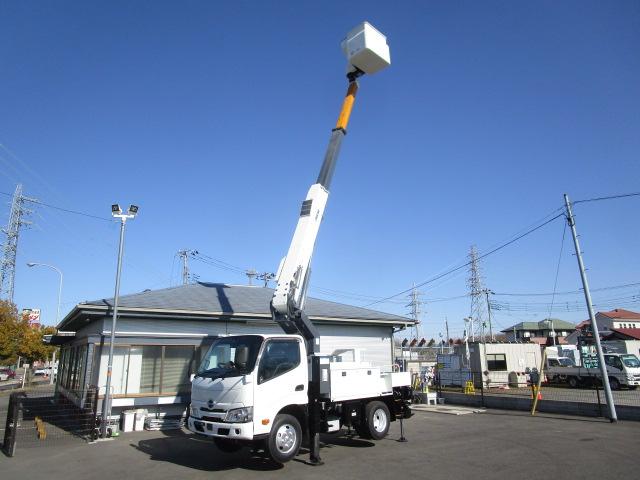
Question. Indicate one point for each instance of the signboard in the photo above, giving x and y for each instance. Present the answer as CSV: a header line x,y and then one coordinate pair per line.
x,y
32,316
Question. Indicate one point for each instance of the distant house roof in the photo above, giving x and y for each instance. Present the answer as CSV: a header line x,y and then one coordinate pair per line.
x,y
621,313
221,300
541,325
624,334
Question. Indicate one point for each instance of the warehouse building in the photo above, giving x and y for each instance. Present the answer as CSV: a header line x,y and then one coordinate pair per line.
x,y
161,336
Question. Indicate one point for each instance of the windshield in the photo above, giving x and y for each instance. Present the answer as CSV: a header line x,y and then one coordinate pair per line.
x,y
630,361
566,362
230,356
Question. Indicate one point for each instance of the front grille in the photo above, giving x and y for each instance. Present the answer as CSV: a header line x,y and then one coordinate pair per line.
x,y
213,410
212,419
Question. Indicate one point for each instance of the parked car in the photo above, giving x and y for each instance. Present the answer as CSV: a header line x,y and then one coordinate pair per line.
x,y
41,371
11,374
3,377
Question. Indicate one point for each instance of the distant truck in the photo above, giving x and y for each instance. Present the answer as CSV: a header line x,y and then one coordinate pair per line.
x,y
623,370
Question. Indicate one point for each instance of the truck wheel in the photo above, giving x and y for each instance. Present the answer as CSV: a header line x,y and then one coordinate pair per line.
x,y
376,421
573,382
227,446
285,438
614,383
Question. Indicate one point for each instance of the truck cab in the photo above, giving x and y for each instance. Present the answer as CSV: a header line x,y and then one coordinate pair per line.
x,y
234,372
623,370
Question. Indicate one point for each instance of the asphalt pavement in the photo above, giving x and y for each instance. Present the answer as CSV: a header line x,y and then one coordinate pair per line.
x,y
493,444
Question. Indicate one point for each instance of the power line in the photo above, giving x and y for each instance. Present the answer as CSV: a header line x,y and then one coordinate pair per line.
x,y
490,252
570,292
75,212
612,197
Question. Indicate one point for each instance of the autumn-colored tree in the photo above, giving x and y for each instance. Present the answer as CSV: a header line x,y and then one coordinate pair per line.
x,y
12,332
17,338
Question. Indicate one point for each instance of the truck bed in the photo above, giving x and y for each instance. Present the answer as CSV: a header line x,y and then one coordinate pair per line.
x,y
352,381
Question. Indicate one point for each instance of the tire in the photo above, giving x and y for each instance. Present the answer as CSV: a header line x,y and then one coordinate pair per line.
x,y
376,421
226,445
285,438
573,382
614,383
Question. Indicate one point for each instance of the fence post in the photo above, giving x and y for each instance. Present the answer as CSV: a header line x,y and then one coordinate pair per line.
x,y
597,383
11,428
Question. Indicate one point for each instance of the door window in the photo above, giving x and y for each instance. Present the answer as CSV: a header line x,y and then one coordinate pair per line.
x,y
279,357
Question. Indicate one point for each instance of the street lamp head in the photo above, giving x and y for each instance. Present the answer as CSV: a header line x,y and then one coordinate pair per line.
x,y
115,209
133,209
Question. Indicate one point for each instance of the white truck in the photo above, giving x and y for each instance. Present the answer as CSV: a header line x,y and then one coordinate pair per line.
x,y
623,370
270,390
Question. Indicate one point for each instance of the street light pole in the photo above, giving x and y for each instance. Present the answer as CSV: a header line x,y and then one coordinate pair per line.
x,y
53,359
116,211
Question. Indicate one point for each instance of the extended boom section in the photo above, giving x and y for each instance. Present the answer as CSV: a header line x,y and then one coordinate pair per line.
x,y
293,277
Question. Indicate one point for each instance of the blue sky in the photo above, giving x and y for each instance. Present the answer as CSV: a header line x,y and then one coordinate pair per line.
x,y
214,118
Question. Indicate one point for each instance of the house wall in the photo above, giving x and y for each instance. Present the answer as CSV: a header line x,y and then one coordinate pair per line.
x,y
623,346
189,340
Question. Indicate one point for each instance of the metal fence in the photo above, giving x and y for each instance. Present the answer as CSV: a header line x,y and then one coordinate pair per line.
x,y
586,389
44,416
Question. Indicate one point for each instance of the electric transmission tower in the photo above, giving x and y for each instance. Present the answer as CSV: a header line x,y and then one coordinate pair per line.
x,y
10,246
251,274
477,294
184,255
415,308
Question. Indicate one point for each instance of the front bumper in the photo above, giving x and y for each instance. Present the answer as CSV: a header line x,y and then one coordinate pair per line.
x,y
235,431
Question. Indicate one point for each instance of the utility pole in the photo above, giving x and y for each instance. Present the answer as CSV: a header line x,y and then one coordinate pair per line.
x,y
487,291
446,326
613,417
251,274
10,246
266,277
184,255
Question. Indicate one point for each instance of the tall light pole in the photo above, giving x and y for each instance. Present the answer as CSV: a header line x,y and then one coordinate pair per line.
x,y
53,359
116,211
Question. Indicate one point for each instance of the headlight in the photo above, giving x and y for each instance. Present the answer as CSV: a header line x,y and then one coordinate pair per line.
x,y
194,412
239,415
630,378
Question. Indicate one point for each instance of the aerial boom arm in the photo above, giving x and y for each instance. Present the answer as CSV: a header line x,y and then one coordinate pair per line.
x,y
288,299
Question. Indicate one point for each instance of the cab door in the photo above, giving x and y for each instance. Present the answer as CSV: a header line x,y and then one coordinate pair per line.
x,y
281,380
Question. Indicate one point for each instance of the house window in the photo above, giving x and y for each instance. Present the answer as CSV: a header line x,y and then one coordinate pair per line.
x,y
176,367
496,362
151,364
149,369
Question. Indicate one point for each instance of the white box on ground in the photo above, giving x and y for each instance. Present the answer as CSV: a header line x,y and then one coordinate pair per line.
x,y
366,48
128,420
141,415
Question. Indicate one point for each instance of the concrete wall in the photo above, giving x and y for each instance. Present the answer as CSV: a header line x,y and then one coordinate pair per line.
x,y
624,412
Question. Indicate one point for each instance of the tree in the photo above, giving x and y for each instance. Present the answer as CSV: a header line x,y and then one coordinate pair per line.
x,y
431,343
11,332
18,338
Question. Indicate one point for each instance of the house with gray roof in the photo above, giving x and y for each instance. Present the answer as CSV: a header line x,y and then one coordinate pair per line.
x,y
541,332
161,336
